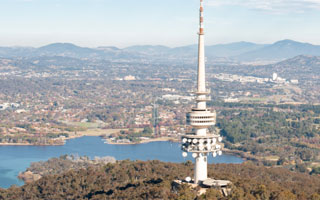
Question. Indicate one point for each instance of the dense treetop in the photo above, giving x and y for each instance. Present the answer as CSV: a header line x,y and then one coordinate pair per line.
x,y
153,179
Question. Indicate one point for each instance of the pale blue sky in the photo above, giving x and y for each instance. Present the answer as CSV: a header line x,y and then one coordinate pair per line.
x,y
166,22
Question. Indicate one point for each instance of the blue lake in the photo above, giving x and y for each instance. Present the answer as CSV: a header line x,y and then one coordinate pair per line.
x,y
14,159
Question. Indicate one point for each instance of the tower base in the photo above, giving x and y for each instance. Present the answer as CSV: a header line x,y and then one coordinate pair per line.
x,y
223,185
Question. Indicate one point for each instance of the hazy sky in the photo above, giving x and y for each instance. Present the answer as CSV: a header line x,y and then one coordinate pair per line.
x,y
166,22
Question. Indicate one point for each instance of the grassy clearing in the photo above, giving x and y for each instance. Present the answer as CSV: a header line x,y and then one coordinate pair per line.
x,y
272,158
315,164
99,131
85,124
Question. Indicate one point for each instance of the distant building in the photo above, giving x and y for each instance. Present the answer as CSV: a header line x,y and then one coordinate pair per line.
x,y
5,106
278,79
274,76
231,100
168,89
129,78
21,111
171,97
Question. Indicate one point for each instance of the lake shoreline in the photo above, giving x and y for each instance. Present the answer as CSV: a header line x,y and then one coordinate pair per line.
x,y
226,151
161,139
145,141
62,141
15,159
16,144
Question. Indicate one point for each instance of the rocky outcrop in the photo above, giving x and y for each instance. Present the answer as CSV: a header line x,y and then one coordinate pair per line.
x,y
29,176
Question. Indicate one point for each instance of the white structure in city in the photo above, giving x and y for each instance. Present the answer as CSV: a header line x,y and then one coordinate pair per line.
x,y
274,76
200,142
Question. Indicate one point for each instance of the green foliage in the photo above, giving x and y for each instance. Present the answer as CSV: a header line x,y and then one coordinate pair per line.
x,y
315,170
147,130
53,135
66,163
186,193
284,195
211,193
135,136
262,193
262,131
315,196
152,180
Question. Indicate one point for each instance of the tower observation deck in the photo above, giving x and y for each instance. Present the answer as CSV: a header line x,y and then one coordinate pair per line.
x,y
200,142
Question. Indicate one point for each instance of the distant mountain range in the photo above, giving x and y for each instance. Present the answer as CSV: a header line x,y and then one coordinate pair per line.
x,y
233,52
280,50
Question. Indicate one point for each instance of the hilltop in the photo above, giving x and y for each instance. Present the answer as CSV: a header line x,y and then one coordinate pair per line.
x,y
152,180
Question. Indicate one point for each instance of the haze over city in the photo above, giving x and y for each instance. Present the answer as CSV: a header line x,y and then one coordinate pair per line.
x,y
159,99
123,23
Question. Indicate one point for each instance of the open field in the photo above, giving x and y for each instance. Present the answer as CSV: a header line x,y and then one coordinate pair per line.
x,y
272,158
98,132
84,124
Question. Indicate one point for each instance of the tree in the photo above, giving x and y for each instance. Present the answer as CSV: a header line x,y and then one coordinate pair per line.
x,y
262,193
211,194
147,130
315,170
284,195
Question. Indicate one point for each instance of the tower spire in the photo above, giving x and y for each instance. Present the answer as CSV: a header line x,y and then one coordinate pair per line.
x,y
201,18
200,142
201,55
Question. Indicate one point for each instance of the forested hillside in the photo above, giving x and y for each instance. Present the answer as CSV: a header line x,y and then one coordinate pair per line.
x,y
282,135
152,180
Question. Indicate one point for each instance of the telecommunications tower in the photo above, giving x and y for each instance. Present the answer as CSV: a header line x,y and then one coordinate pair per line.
x,y
200,142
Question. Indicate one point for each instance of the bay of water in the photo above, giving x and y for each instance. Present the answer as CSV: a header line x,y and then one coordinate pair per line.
x,y
15,159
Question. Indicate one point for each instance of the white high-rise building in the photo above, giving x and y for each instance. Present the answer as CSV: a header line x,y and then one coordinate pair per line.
x,y
200,142
274,76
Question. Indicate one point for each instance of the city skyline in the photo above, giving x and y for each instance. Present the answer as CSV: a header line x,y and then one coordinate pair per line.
x,y
124,23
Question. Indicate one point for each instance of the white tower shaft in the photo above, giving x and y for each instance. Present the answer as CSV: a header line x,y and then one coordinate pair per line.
x,y
201,171
198,142
201,161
